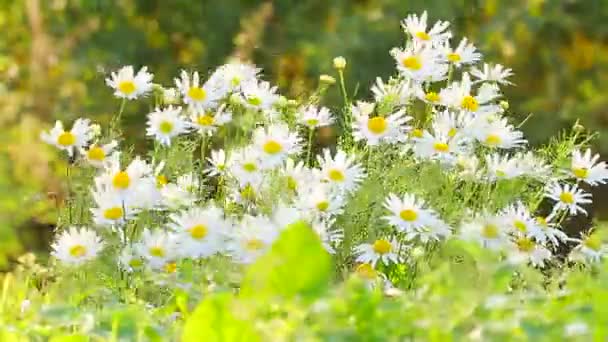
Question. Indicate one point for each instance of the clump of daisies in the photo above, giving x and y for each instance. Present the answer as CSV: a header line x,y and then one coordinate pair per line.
x,y
434,156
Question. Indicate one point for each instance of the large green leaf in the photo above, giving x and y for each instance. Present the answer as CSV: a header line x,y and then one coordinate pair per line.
x,y
297,265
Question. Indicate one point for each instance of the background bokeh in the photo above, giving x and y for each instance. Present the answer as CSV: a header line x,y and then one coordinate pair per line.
x,y
55,54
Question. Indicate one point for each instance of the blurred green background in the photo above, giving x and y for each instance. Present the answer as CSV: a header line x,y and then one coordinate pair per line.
x,y
55,54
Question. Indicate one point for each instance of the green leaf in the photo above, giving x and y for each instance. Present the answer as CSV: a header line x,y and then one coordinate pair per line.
x,y
70,338
297,265
215,319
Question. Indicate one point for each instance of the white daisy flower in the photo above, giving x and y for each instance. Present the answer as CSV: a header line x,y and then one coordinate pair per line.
x,y
465,53
165,124
546,232
502,167
157,248
72,140
313,117
217,163
408,213
129,260
76,245
128,85
196,94
297,174
379,129
439,146
586,168
207,122
275,143
341,171
252,238
496,73
498,134
259,95
96,154
568,197
200,232
458,96
453,124
590,248
526,250
417,28
383,250
487,230
245,165
111,208
175,196
467,167
420,63
435,230
318,201
532,166
126,182
519,221
395,92
233,76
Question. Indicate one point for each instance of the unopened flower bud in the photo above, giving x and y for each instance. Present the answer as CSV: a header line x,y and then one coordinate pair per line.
x,y
340,63
326,79
578,127
504,105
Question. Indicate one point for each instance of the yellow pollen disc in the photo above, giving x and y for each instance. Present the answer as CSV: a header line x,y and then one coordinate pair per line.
x,y
157,251
377,125
161,180
254,244
520,225
291,183
272,147
441,147
96,153
113,213
197,93
412,62
323,205
452,132
525,245
205,120
254,100
580,172
136,263
490,231
235,81
121,180
127,87
170,267
500,173
366,271
417,133
66,139
312,122
493,140
250,167
423,35
566,197
336,175
453,57
382,246
469,103
408,215
593,242
198,232
78,251
542,221
432,97
165,127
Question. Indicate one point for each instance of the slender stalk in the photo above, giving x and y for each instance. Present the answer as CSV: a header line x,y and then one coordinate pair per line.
x,y
202,170
311,132
115,123
343,87
68,174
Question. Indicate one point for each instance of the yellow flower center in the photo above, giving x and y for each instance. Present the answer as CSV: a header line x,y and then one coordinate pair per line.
x,y
469,103
377,125
272,147
566,197
254,100
593,242
312,122
366,271
136,263
323,205
166,127
161,180
170,267
542,221
493,140
250,167
580,172
520,225
127,87
198,232
412,62
157,251
453,57
382,246
254,244
452,132
417,133
121,180
78,251
205,120
500,173
432,96
235,81
490,231
408,215
441,147
525,245
248,193
96,153
291,183
114,213
66,139
423,35
197,93
336,175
